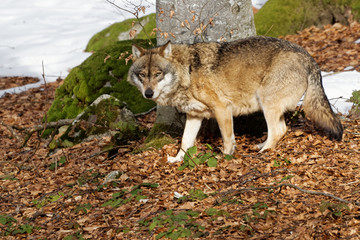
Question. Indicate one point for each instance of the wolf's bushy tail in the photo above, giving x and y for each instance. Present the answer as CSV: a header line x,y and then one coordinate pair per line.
x,y
317,107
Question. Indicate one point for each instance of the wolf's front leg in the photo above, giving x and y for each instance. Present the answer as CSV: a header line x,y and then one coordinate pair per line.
x,y
224,118
192,127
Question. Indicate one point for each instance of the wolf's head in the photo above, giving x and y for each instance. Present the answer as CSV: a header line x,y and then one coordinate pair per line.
x,y
152,72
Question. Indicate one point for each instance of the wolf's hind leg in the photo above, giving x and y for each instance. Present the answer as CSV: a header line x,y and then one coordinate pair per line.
x,y
276,128
192,127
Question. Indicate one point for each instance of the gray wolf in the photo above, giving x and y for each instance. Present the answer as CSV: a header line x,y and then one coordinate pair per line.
x,y
222,80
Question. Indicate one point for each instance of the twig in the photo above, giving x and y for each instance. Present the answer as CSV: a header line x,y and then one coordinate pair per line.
x,y
144,113
300,189
11,130
42,127
59,123
186,153
121,8
136,15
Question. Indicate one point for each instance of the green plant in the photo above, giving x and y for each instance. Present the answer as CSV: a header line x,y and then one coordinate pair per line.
x,y
124,196
10,229
89,177
57,164
355,98
194,195
47,200
76,236
83,208
286,178
193,159
335,209
280,161
213,212
260,211
175,225
8,177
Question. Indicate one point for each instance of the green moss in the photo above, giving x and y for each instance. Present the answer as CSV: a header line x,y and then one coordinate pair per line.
x,y
110,35
109,114
157,143
103,72
148,28
157,137
283,17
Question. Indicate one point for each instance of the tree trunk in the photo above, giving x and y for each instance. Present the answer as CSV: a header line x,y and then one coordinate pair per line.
x,y
185,21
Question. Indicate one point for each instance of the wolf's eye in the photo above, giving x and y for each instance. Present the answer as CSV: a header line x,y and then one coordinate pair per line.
x,y
142,75
157,74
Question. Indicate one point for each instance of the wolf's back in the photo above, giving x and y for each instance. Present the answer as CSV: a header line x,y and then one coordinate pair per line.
x,y
317,107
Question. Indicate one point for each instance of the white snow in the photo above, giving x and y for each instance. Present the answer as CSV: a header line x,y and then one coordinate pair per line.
x,y
339,86
258,3
56,32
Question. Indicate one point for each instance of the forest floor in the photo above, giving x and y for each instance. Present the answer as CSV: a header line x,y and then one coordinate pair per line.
x,y
307,188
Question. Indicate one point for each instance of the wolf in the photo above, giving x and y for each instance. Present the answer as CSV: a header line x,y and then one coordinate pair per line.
x,y
227,79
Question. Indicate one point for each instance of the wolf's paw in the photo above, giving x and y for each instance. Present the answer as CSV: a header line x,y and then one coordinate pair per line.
x,y
174,159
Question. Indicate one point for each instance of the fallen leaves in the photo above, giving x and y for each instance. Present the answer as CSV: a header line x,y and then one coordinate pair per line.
x,y
68,200
334,48
11,82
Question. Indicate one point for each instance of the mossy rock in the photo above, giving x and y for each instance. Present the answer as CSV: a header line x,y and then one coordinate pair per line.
x,y
106,115
104,72
283,17
120,31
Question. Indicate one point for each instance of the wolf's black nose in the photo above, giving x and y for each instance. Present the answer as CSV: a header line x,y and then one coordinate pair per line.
x,y
149,93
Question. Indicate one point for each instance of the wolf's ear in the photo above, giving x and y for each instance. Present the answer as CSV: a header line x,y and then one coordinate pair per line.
x,y
137,51
165,50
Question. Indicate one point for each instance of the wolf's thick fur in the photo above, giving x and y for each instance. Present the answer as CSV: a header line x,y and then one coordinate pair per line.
x,y
223,80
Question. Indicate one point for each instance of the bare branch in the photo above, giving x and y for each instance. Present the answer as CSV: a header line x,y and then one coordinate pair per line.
x,y
135,13
297,188
11,130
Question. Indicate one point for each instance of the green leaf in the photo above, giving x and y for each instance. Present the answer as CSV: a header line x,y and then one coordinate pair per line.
x,y
185,233
205,157
276,163
211,212
174,235
209,146
197,194
153,225
26,228
160,235
212,162
182,167
228,157
286,178
337,213
139,197
151,185
191,151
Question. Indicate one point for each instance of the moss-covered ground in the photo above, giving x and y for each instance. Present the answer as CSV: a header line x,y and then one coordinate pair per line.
x,y
110,35
284,17
104,72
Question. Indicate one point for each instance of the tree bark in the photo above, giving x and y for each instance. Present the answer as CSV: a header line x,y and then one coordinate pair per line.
x,y
189,21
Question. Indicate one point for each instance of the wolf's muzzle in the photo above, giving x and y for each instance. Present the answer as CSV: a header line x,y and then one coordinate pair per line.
x,y
149,93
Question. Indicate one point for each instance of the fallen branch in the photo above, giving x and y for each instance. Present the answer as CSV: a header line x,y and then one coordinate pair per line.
x,y
56,124
297,188
145,113
11,130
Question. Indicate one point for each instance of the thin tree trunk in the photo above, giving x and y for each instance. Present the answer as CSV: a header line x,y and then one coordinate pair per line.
x,y
189,21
